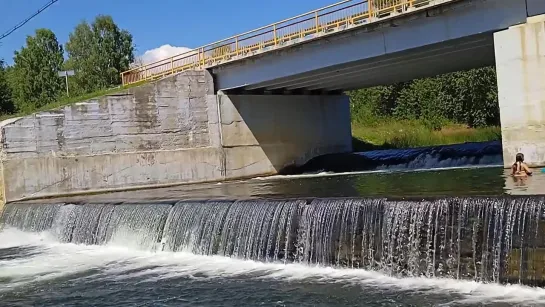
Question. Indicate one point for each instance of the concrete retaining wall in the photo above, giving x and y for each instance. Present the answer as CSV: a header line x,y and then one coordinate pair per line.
x,y
154,134
172,114
520,67
173,131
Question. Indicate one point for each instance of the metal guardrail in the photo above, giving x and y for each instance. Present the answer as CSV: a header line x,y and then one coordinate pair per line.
x,y
337,17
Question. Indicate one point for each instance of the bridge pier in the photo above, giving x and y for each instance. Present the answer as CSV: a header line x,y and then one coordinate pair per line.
x,y
271,133
520,66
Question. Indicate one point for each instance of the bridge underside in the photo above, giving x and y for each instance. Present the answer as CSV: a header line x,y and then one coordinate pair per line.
x,y
460,54
449,37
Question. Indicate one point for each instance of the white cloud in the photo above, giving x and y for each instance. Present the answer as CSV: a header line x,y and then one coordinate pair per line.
x,y
160,53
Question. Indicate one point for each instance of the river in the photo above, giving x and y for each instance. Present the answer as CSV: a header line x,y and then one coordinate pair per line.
x,y
158,251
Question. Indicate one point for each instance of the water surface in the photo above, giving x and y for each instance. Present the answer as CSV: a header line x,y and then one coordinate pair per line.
x,y
69,266
459,181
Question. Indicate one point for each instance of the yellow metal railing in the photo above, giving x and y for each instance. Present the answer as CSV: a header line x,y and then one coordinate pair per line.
x,y
336,17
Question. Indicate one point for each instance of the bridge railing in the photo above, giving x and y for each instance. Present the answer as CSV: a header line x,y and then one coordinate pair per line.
x,y
336,17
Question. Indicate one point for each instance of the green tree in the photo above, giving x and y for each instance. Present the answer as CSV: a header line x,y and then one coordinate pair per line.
x,y
465,97
421,100
99,52
478,93
34,79
370,104
6,102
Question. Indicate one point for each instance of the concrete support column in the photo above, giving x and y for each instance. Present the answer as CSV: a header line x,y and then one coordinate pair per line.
x,y
520,66
269,134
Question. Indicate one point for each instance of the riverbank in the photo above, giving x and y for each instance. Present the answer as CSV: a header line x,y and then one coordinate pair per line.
x,y
394,134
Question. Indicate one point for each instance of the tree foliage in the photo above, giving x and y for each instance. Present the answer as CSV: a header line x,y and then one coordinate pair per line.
x,y
6,103
467,97
99,52
34,79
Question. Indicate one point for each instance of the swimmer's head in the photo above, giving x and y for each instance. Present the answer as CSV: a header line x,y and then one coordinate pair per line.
x,y
519,157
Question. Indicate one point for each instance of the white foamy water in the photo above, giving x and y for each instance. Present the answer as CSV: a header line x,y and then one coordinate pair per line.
x,y
429,161
384,169
112,263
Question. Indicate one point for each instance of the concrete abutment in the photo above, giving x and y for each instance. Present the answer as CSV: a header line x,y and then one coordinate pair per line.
x,y
520,67
173,131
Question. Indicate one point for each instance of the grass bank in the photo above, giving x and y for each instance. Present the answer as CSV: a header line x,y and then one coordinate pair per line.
x,y
389,133
64,101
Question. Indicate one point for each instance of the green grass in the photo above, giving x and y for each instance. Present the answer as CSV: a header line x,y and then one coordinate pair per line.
x,y
70,100
391,133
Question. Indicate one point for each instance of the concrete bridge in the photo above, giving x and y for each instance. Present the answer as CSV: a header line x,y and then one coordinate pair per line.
x,y
423,41
357,44
262,101
353,44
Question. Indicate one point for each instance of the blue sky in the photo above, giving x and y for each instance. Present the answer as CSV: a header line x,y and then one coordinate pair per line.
x,y
180,23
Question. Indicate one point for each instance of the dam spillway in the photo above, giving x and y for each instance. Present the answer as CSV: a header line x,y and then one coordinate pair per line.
x,y
486,239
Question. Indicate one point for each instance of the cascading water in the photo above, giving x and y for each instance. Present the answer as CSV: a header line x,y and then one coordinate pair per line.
x,y
484,239
432,157
31,217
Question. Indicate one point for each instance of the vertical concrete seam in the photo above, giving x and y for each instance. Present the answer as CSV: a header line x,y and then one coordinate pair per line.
x,y
35,125
220,131
218,102
2,186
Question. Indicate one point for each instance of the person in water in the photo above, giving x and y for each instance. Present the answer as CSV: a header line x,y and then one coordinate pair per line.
x,y
520,168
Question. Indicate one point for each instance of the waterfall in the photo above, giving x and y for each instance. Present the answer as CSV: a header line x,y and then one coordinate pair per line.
x,y
455,155
494,239
30,217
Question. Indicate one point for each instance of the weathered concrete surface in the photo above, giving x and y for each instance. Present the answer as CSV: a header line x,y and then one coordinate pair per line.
x,y
520,66
51,176
2,198
167,115
159,133
173,131
272,132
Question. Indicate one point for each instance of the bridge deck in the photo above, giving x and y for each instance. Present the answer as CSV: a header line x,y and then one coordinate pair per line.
x,y
339,17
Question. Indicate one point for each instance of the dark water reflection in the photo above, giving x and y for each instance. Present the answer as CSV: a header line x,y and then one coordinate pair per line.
x,y
486,181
